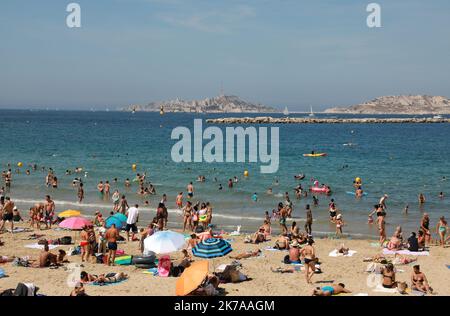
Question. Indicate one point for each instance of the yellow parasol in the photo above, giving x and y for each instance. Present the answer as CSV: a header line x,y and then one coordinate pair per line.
x,y
192,278
69,213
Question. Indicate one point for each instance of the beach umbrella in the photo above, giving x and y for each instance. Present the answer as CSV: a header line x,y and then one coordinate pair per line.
x,y
114,220
69,213
75,223
191,278
212,248
164,242
121,217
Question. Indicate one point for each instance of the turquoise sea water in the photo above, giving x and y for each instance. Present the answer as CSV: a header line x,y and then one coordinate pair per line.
x,y
399,159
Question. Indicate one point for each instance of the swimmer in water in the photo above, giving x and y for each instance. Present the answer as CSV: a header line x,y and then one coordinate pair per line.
x,y
255,197
269,191
441,195
406,209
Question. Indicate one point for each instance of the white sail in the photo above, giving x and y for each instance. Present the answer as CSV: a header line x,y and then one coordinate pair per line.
x,y
286,111
312,113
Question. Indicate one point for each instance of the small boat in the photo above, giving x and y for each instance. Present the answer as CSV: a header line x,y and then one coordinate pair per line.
x,y
438,117
312,113
286,111
315,155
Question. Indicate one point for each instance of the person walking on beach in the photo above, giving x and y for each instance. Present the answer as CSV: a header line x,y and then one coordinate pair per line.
x,y
187,216
309,257
381,228
80,193
309,220
441,229
132,219
111,236
7,211
49,208
283,214
116,200
425,227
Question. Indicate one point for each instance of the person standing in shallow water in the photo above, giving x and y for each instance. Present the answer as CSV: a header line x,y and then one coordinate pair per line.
x,y
80,193
309,220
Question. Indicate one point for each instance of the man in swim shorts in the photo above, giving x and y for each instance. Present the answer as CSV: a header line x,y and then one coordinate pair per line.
x,y
111,236
190,190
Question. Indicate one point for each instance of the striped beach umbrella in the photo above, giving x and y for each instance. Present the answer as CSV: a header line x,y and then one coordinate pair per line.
x,y
212,248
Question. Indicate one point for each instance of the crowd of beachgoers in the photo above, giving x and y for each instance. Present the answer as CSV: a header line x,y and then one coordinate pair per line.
x,y
98,239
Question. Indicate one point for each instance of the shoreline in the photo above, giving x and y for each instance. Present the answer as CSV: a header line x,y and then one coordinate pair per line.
x,y
300,120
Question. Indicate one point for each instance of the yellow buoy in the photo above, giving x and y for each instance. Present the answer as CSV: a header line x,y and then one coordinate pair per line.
x,y
245,173
19,164
134,166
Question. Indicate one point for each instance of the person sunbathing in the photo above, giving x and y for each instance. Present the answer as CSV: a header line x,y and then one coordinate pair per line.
x,y
419,281
102,278
5,259
61,257
282,270
47,259
330,290
78,290
246,255
282,242
402,260
388,276
378,258
343,250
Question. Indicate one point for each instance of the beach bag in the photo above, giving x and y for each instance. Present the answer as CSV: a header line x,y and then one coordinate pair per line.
x,y
43,242
99,258
66,240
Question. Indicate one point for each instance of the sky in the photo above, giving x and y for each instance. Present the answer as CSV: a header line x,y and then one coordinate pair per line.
x,y
295,53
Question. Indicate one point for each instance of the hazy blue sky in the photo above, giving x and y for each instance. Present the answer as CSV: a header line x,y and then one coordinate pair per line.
x,y
277,52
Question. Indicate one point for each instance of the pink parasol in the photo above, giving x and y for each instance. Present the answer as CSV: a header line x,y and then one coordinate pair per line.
x,y
75,223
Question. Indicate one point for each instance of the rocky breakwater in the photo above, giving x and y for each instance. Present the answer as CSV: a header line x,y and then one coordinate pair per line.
x,y
300,120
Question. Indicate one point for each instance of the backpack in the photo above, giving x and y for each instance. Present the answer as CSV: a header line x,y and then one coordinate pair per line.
x,y
66,240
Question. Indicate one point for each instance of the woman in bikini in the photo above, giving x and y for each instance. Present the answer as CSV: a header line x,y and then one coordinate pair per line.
x,y
308,254
441,229
419,281
425,227
388,276
187,215
382,229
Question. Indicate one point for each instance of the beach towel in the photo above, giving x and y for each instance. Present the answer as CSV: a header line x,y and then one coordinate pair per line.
x,y
152,271
361,294
405,252
19,230
95,283
380,288
123,260
269,248
37,246
335,253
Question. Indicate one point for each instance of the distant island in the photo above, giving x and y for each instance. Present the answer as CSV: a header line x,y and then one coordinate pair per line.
x,y
403,104
219,104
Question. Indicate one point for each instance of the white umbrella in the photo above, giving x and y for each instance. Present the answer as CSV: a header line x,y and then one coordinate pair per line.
x,y
164,242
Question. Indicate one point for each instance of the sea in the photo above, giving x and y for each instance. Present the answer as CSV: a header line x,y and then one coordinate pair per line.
x,y
401,160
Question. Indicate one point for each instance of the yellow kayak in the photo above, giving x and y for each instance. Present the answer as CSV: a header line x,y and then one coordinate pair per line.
x,y
315,155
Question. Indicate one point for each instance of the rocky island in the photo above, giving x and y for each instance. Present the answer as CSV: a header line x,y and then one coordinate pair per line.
x,y
403,104
219,104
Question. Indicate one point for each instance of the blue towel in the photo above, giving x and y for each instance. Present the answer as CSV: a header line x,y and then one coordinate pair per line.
x,y
106,284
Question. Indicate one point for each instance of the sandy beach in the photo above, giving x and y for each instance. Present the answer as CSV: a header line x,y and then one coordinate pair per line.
x,y
348,270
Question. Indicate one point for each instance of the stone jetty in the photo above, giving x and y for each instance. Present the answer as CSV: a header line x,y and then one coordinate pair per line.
x,y
301,120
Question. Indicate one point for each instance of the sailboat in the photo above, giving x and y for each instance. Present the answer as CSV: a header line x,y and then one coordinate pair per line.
x,y
312,113
286,111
